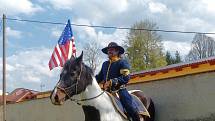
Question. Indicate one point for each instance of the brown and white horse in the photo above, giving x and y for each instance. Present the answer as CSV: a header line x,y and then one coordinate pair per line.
x,y
77,79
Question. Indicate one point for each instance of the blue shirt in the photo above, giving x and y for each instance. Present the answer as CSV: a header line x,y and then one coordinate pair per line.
x,y
114,74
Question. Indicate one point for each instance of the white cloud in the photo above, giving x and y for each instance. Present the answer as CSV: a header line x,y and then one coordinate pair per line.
x,y
95,10
10,68
61,4
89,33
113,5
18,7
156,7
118,36
35,58
110,5
172,46
171,15
29,68
13,33
56,33
209,5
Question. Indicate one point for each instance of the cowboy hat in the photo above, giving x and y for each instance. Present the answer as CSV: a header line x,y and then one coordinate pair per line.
x,y
113,45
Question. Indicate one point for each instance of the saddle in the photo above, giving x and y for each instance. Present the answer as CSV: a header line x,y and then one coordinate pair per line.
x,y
118,106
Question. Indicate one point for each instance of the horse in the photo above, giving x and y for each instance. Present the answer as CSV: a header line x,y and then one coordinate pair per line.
x,y
77,80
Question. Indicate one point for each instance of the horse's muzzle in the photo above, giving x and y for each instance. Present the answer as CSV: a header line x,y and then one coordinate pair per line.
x,y
58,97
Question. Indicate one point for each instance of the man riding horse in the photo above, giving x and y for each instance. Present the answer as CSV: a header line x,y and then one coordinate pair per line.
x,y
115,75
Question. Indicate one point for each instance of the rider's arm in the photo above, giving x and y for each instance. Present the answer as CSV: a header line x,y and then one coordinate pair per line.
x,y
124,74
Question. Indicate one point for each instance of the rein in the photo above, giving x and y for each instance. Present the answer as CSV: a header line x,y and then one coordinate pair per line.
x,y
76,91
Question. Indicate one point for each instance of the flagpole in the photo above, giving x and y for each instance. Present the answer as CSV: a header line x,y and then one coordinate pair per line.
x,y
4,69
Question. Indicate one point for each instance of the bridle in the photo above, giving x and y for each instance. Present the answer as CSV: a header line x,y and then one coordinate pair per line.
x,y
65,90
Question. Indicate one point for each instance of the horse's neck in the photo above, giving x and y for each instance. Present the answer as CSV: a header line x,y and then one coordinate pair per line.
x,y
94,90
102,103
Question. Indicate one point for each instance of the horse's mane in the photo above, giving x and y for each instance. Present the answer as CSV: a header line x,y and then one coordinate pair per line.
x,y
89,71
86,74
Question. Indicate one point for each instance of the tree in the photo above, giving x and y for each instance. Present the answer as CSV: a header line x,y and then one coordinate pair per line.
x,y
91,56
173,60
177,58
169,59
202,46
144,48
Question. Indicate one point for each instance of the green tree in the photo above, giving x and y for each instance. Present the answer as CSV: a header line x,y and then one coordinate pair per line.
x,y
169,59
144,48
177,57
173,60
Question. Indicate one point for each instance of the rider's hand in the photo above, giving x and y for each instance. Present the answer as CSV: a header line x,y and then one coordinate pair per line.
x,y
101,85
107,84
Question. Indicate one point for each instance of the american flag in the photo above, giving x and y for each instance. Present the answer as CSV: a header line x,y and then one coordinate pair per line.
x,y
64,48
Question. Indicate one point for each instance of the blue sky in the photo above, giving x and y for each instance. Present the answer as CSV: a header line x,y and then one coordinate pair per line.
x,y
29,45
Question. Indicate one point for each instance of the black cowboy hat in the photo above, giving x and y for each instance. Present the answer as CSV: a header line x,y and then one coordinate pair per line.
x,y
113,45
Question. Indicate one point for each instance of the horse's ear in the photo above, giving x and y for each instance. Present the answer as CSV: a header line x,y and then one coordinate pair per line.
x,y
80,58
72,57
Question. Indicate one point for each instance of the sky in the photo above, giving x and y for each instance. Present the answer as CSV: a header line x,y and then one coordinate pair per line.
x,y
30,45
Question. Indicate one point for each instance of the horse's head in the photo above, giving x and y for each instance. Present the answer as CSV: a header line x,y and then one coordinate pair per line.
x,y
74,79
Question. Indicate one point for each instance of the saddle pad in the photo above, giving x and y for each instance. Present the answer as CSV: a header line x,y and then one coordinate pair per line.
x,y
141,108
117,104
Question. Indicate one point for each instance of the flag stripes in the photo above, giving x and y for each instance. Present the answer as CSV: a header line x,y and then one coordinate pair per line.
x,y
63,48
